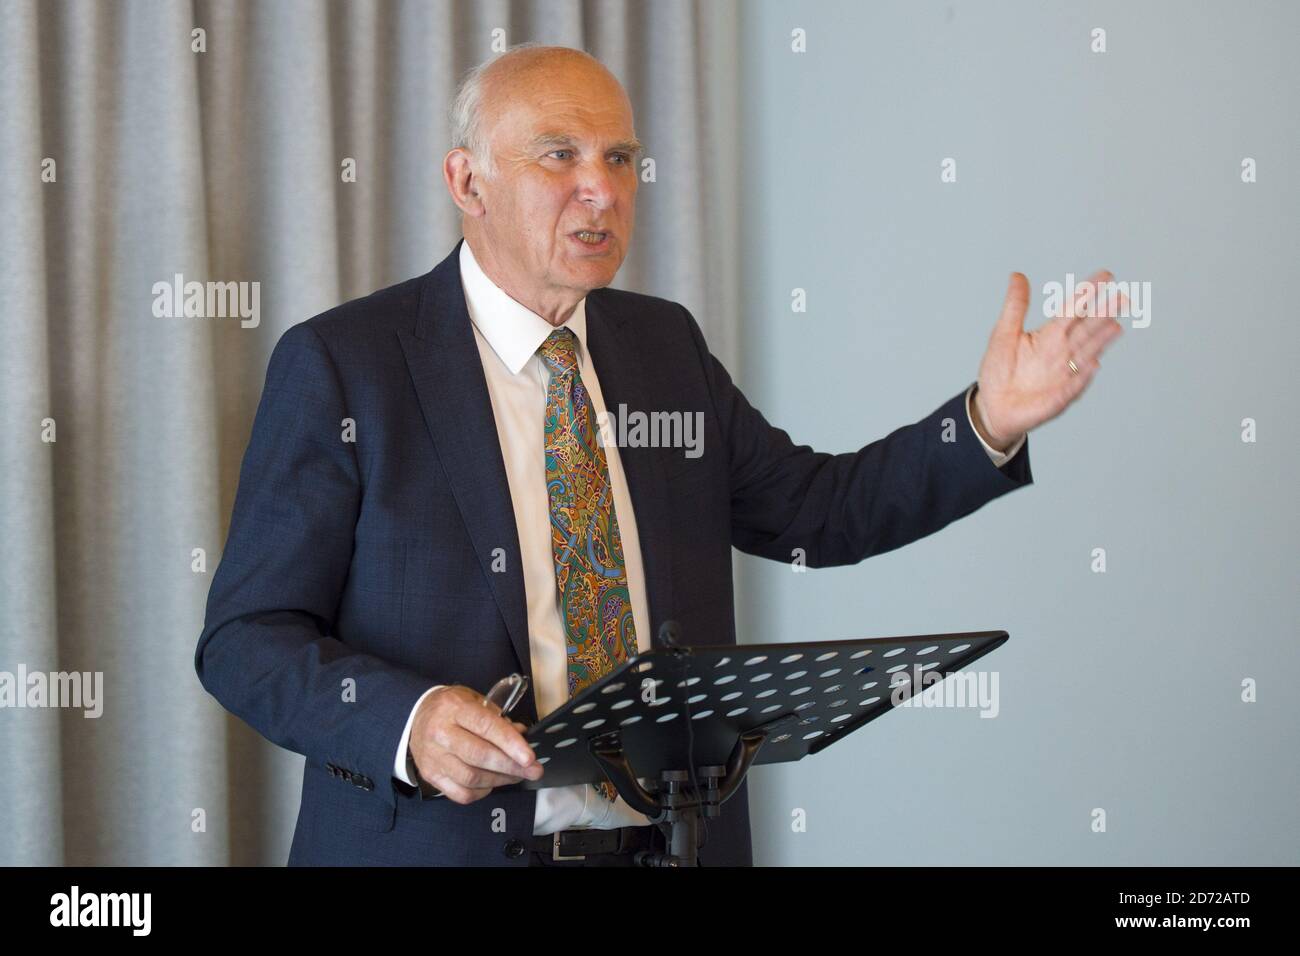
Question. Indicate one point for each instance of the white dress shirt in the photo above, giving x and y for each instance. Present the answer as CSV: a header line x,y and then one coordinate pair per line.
x,y
508,336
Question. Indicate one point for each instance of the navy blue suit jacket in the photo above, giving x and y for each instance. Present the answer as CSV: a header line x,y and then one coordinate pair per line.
x,y
357,574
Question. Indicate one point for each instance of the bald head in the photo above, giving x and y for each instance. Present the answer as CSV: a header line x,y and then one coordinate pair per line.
x,y
489,89
544,172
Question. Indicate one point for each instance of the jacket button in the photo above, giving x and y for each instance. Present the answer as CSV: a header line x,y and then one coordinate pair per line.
x,y
514,848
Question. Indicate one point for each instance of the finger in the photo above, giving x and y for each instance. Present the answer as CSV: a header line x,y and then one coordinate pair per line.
x,y
1011,322
1097,338
1082,334
452,791
1085,295
1081,329
499,732
1108,302
478,753
471,775
1106,308
1112,303
521,727
456,793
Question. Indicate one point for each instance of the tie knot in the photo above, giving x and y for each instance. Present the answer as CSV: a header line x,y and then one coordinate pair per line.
x,y
559,351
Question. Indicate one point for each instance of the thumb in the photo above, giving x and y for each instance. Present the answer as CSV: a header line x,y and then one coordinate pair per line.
x,y
1011,323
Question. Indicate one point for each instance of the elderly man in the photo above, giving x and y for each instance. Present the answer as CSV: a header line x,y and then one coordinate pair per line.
x,y
424,506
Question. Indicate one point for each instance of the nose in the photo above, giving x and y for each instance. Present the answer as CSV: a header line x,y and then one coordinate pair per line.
x,y
596,185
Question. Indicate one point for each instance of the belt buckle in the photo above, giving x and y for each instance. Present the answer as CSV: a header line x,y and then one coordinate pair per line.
x,y
555,850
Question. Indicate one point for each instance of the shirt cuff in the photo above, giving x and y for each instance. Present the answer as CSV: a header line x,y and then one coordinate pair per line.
x,y
999,458
399,764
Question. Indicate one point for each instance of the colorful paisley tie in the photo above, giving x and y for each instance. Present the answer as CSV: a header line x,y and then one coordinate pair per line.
x,y
589,568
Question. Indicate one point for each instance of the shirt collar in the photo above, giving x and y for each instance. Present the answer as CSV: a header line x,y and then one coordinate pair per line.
x,y
515,332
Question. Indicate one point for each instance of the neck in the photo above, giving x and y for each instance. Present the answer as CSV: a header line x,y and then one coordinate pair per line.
x,y
554,308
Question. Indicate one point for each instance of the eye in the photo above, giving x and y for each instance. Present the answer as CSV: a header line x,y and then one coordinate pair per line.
x,y
624,157
554,151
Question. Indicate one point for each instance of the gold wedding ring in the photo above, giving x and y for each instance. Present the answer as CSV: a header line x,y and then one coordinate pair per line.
x,y
1074,369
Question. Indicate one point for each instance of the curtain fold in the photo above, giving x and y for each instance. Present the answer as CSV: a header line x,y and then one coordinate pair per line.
x,y
226,166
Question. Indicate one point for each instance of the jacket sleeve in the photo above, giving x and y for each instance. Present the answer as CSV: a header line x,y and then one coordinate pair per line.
x,y
840,509
269,651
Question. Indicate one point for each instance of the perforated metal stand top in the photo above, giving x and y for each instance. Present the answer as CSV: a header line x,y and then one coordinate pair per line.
x,y
676,730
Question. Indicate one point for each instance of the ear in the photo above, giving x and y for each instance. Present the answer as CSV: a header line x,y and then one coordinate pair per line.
x,y
462,183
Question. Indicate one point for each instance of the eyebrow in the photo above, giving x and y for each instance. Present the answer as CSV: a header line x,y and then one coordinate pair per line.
x,y
556,140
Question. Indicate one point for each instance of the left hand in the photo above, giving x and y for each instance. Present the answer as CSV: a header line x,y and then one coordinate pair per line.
x,y
1025,377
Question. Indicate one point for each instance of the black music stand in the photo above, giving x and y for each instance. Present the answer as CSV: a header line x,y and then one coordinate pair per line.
x,y
719,710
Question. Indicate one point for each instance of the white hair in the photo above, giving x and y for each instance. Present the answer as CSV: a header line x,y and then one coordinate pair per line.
x,y
466,114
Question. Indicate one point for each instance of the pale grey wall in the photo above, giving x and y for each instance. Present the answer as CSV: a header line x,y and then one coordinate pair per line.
x,y
1118,690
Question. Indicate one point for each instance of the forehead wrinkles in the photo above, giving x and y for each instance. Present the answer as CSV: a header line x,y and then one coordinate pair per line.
x,y
523,116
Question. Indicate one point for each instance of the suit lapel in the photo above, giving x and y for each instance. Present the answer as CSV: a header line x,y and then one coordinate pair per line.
x,y
447,373
448,376
623,381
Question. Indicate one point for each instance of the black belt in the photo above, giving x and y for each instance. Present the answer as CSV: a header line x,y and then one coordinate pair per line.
x,y
578,844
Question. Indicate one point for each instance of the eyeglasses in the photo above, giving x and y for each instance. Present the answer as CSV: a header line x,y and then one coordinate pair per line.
x,y
507,692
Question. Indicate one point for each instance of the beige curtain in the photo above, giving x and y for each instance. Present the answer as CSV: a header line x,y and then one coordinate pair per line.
x,y
128,159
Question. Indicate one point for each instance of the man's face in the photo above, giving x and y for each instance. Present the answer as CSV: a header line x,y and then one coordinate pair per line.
x,y
565,154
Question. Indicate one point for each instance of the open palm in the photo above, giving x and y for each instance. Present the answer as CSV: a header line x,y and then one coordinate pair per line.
x,y
1025,378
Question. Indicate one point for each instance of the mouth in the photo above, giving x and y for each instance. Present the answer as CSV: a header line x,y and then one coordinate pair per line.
x,y
590,240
